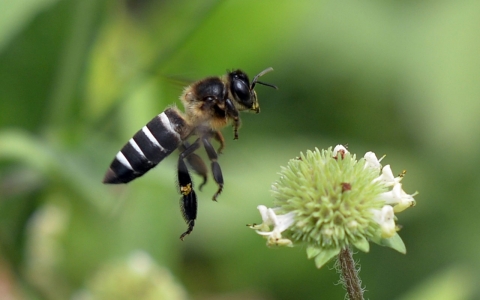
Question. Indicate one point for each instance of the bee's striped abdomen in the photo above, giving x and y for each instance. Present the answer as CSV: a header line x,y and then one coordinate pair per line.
x,y
147,148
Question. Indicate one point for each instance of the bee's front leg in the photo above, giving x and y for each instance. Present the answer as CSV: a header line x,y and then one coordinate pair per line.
x,y
188,201
232,112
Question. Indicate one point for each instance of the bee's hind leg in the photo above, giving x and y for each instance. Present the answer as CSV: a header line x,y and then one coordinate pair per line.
x,y
188,201
195,162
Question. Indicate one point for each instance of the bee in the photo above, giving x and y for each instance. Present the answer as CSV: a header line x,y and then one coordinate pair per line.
x,y
210,104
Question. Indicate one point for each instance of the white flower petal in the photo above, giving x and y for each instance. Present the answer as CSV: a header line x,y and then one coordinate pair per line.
x,y
264,213
280,223
266,220
386,219
272,216
264,232
285,221
405,202
387,177
339,149
372,161
398,198
394,196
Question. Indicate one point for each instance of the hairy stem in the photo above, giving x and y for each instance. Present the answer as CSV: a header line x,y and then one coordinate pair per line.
x,y
350,279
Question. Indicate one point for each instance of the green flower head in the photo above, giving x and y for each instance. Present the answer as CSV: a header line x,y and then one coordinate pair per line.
x,y
329,200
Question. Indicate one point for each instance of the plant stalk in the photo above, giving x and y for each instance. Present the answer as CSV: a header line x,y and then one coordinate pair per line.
x,y
350,279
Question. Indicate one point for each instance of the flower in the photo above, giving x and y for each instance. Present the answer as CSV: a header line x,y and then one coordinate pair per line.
x,y
385,218
387,176
372,161
328,200
339,149
398,198
280,223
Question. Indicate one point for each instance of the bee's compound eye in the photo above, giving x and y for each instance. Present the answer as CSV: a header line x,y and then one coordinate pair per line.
x,y
241,90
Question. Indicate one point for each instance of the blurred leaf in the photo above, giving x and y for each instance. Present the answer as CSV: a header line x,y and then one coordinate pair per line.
x,y
15,15
71,64
441,65
33,152
138,277
27,149
20,181
44,252
130,51
454,283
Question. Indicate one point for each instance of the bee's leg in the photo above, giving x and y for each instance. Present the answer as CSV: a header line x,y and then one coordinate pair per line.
x,y
216,171
232,112
188,201
217,135
196,163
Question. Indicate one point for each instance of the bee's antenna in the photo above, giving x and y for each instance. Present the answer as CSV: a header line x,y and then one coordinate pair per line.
x,y
268,84
255,81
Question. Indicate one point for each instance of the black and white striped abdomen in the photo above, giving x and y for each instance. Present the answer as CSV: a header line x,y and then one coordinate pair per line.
x,y
146,148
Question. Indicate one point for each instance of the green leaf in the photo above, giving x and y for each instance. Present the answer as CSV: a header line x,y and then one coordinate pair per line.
x,y
325,255
27,149
395,242
15,15
362,245
312,251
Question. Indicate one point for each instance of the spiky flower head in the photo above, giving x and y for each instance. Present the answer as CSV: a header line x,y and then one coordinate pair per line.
x,y
329,200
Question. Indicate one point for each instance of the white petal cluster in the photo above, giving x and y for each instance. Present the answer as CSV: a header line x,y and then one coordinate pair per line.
x,y
386,218
396,200
280,223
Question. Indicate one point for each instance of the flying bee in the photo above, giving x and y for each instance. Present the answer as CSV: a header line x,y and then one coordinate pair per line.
x,y
210,104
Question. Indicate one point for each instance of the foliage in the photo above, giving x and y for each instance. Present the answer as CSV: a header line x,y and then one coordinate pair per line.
x,y
78,78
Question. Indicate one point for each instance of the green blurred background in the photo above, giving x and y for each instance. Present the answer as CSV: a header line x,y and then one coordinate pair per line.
x,y
78,78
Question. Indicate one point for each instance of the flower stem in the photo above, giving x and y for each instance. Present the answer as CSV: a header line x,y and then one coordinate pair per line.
x,y
350,279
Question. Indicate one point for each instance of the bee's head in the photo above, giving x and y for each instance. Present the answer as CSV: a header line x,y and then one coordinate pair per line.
x,y
243,91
